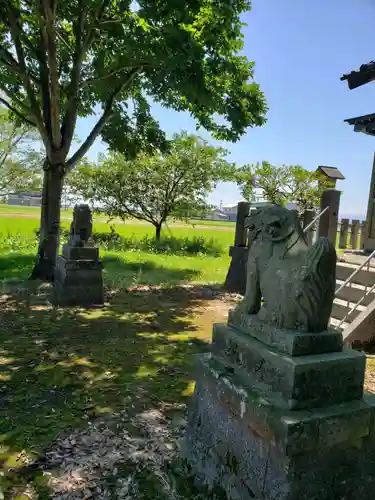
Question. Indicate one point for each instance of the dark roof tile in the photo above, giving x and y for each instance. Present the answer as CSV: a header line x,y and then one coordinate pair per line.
x,y
331,172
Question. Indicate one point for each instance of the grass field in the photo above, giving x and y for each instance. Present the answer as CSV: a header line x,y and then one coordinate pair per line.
x,y
18,245
6,210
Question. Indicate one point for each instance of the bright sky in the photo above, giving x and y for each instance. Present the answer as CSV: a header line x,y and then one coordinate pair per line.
x,y
301,49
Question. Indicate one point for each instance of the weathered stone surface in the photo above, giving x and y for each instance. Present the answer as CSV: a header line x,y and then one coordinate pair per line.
x,y
80,253
291,342
292,382
296,281
78,273
239,441
81,226
290,432
78,265
78,295
235,280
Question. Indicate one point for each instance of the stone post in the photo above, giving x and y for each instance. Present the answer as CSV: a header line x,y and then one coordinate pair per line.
x,y
235,280
240,237
363,235
78,273
344,230
328,221
369,240
308,217
355,225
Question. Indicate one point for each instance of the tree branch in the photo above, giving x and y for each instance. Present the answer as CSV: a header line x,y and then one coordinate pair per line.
x,y
16,101
82,44
49,38
17,113
9,60
81,47
102,121
11,145
113,73
15,35
44,75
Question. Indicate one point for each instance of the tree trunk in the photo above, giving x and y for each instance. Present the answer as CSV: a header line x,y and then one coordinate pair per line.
x,y
49,237
158,232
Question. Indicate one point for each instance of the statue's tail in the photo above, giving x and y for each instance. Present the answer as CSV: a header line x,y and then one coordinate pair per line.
x,y
318,287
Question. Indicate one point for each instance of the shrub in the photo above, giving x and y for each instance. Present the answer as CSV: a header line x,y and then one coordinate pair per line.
x,y
114,242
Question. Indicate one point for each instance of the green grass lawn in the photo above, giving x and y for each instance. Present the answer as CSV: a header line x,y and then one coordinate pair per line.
x,y
18,247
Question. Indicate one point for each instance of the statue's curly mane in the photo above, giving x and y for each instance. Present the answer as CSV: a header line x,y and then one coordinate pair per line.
x,y
315,284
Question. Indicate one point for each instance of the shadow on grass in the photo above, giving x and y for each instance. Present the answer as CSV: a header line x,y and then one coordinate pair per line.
x,y
117,272
120,273
59,367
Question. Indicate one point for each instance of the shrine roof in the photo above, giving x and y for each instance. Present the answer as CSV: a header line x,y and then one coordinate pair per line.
x,y
365,74
364,124
331,172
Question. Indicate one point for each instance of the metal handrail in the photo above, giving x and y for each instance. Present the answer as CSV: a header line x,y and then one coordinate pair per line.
x,y
356,305
315,219
348,280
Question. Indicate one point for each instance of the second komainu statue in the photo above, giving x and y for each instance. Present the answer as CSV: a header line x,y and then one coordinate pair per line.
x,y
289,283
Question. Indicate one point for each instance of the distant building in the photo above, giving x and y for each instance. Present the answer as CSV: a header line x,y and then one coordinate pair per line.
x,y
26,199
230,211
216,214
231,208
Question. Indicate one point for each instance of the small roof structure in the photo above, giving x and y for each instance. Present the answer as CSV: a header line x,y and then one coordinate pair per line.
x,y
332,173
364,124
365,74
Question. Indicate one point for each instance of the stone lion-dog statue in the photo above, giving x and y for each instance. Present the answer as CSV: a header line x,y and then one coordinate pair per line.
x,y
81,227
295,281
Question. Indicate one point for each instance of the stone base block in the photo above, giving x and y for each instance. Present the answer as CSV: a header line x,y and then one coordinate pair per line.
x,y
293,382
237,441
291,342
80,253
235,280
78,282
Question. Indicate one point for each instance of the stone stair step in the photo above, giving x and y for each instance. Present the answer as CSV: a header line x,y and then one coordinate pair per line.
x,y
334,324
363,277
340,309
353,294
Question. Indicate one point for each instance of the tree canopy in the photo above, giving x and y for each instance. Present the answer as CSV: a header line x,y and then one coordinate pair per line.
x,y
60,60
63,59
283,184
154,188
20,157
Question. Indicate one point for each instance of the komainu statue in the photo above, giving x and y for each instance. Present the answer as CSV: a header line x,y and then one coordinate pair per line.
x,y
81,227
289,283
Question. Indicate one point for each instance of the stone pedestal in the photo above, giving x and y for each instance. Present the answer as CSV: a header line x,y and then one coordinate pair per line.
x,y
78,277
281,415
